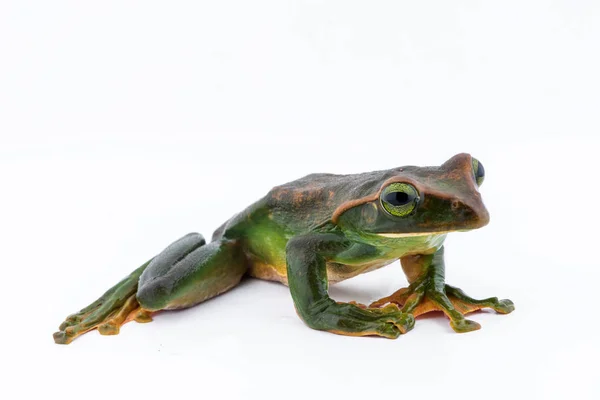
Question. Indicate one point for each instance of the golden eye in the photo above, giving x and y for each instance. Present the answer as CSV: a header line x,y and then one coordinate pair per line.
x,y
478,171
399,199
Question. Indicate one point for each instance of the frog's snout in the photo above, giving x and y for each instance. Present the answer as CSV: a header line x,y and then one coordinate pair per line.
x,y
483,216
473,212
467,205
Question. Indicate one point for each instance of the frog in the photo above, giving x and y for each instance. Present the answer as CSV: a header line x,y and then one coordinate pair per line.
x,y
314,232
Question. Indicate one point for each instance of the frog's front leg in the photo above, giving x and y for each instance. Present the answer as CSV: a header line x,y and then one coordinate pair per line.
x,y
429,292
307,257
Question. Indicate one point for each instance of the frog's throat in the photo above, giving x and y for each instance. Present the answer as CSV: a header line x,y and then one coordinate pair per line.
x,y
412,234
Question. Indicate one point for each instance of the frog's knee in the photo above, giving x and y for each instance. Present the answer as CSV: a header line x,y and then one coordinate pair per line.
x,y
156,283
153,295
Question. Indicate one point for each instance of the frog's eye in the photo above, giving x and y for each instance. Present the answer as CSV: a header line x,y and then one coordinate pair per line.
x,y
478,171
399,199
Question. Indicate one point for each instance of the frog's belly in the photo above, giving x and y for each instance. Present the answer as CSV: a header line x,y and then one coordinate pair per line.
x,y
335,272
269,272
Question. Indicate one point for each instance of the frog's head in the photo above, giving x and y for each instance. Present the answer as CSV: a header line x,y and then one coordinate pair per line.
x,y
415,201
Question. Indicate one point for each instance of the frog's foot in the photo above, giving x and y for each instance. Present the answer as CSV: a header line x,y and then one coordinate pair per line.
x,y
420,298
116,307
106,317
354,319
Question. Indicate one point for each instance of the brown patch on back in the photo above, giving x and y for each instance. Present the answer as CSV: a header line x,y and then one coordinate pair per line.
x,y
297,198
279,194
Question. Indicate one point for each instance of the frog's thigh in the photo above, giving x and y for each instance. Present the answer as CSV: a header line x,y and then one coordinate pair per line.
x,y
195,275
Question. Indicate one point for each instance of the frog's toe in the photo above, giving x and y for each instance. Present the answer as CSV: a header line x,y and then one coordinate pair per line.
x,y
64,325
504,306
68,330
464,325
389,330
109,328
71,320
405,322
391,314
142,316
467,304
61,337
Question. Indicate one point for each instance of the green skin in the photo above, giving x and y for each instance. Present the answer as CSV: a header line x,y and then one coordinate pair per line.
x,y
319,229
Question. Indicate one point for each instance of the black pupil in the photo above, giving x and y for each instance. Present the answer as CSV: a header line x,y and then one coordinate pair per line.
x,y
398,198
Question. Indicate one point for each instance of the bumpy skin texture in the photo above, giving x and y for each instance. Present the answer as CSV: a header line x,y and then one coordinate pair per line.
x,y
317,230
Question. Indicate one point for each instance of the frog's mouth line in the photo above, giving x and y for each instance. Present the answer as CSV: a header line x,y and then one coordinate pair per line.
x,y
412,234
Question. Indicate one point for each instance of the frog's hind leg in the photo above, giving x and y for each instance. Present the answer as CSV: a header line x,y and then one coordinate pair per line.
x,y
185,273
193,278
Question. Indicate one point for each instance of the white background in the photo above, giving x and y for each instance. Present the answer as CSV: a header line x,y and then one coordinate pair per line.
x,y
125,125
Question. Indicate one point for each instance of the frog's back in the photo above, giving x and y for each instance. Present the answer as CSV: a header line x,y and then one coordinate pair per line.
x,y
301,205
311,201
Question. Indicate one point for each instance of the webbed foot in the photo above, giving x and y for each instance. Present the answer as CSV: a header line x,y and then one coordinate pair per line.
x,y
116,307
423,296
107,318
353,319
